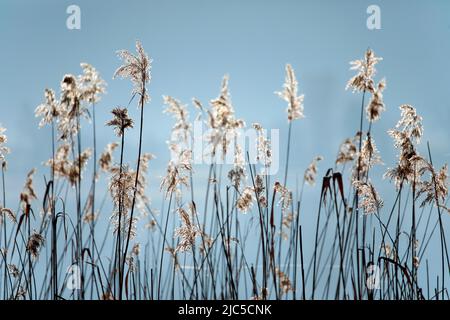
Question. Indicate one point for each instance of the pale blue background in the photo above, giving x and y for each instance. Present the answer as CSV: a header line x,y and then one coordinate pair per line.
x,y
194,43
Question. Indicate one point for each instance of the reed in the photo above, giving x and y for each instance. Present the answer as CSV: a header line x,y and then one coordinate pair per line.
x,y
244,234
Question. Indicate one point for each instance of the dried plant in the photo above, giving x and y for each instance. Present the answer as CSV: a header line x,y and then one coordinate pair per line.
x,y
237,175
264,148
368,157
182,127
28,193
410,122
285,282
13,270
34,244
121,188
3,149
347,151
259,191
142,198
188,232
106,158
92,86
264,254
285,196
222,121
176,176
49,110
436,189
6,212
245,201
409,127
371,201
70,108
376,105
64,167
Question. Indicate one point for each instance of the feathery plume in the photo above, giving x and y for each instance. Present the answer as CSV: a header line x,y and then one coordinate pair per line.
x,y
80,162
376,104
4,150
347,150
409,163
259,191
285,196
89,217
245,201
285,282
311,171
66,168
368,157
175,177
435,190
264,154
49,110
70,108
121,187
363,80
142,199
120,121
290,95
222,121
173,253
35,242
187,232
91,84
237,174
6,212
137,68
370,199
106,158
13,270
28,193
410,122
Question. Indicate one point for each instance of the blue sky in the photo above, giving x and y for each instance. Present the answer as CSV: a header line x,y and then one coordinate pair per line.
x,y
194,43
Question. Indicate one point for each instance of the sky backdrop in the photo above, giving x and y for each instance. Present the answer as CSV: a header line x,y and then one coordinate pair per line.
x,y
194,43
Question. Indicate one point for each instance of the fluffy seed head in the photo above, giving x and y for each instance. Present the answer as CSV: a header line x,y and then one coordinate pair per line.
x,y
120,121
137,68
290,95
363,80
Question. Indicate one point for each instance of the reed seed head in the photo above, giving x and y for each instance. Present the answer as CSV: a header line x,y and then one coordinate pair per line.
x,y
376,105
290,95
245,201
370,199
4,150
35,242
188,231
92,86
136,67
311,171
120,121
363,80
